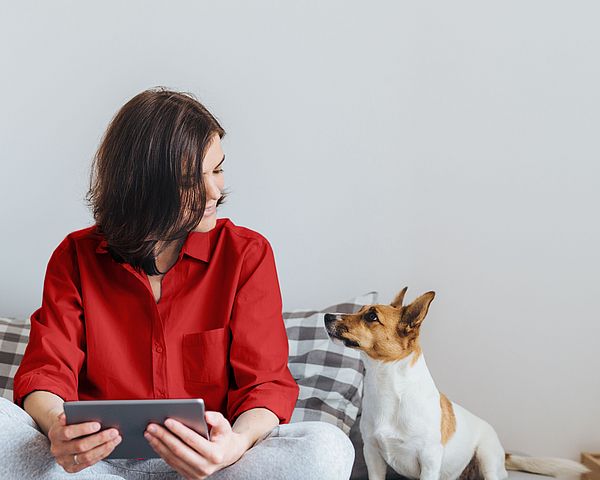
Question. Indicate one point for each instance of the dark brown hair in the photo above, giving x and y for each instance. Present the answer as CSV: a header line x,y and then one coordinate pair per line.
x,y
151,151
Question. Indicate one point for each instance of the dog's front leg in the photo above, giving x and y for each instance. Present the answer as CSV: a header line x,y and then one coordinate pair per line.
x,y
430,459
376,465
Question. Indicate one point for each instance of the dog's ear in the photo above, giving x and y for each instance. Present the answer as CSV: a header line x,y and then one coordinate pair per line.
x,y
416,312
397,302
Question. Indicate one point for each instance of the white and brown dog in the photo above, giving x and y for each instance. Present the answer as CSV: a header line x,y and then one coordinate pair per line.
x,y
406,422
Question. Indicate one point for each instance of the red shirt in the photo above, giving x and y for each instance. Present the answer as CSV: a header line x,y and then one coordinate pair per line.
x,y
217,332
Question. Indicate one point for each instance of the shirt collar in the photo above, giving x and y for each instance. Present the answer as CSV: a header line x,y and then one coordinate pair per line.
x,y
196,245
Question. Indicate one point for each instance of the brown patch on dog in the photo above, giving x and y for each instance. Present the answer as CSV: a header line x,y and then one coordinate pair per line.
x,y
471,471
448,426
385,332
416,351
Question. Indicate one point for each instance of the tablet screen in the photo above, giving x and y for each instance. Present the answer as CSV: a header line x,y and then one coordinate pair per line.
x,y
131,417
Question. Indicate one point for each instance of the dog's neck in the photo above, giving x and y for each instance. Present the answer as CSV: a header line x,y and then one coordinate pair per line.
x,y
397,375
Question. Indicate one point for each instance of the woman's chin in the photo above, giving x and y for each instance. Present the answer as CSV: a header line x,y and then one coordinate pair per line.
x,y
206,224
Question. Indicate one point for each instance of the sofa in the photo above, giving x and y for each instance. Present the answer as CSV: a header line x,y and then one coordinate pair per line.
x,y
330,375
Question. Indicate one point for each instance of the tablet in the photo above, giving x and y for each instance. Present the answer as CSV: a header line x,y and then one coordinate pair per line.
x,y
131,417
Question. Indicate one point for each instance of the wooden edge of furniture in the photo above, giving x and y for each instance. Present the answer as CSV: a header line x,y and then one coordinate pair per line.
x,y
592,461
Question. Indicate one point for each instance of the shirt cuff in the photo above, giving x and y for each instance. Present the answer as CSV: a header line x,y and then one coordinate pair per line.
x,y
282,405
40,381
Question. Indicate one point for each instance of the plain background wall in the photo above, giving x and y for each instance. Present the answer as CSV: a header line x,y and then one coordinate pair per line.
x,y
447,146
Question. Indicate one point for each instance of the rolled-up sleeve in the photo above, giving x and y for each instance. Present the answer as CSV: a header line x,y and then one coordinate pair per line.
x,y
259,344
55,352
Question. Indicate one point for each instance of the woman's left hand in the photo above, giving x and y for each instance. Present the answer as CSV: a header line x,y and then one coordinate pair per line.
x,y
192,455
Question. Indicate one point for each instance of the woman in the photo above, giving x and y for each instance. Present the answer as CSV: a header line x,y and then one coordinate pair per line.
x,y
160,299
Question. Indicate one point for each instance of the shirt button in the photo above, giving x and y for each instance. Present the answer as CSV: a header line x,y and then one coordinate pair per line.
x,y
158,348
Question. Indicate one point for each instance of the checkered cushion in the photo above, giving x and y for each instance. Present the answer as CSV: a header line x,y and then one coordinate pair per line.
x,y
14,335
330,375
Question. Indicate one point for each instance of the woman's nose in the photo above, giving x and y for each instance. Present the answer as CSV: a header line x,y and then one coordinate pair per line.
x,y
213,190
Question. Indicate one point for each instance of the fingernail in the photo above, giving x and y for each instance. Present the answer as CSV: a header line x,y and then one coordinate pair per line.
x,y
147,435
118,440
169,422
151,428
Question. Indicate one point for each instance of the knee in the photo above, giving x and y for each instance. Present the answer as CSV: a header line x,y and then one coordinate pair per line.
x,y
7,407
10,411
329,449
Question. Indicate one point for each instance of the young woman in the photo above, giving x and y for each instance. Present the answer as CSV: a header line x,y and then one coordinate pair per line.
x,y
162,299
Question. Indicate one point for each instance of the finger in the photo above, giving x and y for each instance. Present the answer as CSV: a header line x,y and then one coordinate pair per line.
x,y
68,466
88,458
215,418
83,445
70,432
190,437
92,456
168,456
62,445
176,446
219,423
61,422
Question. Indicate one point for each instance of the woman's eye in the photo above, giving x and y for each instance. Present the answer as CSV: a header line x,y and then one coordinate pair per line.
x,y
220,170
371,317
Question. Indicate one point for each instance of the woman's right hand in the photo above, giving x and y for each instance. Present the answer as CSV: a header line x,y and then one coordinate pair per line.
x,y
65,443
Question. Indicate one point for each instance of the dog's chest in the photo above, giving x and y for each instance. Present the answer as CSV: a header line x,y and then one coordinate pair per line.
x,y
400,422
400,428
400,451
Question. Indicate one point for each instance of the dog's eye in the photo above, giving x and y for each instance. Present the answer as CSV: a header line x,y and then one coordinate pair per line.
x,y
371,317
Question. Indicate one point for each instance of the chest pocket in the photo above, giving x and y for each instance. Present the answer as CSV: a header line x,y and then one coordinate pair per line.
x,y
205,356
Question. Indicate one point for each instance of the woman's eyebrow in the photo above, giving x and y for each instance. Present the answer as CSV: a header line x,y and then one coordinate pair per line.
x,y
222,160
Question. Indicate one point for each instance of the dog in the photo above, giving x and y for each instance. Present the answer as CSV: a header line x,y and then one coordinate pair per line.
x,y
406,422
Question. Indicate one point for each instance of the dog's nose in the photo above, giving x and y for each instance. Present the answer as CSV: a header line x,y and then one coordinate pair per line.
x,y
329,317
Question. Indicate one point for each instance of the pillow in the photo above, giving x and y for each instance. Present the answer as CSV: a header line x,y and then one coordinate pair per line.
x,y
14,335
330,375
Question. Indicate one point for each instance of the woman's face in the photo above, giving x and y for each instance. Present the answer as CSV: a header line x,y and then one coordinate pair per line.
x,y
214,182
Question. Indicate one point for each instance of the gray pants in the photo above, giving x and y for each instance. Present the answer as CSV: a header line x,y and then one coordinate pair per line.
x,y
304,450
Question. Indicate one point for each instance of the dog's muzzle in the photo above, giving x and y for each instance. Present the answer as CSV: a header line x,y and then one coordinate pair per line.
x,y
330,318
337,331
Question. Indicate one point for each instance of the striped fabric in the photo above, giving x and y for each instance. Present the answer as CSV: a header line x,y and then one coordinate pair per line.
x,y
14,335
330,375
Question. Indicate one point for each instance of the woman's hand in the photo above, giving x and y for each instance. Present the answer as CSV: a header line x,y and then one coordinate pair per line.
x,y
65,443
190,453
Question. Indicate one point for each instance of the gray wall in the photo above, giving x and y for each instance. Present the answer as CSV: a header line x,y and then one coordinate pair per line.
x,y
447,146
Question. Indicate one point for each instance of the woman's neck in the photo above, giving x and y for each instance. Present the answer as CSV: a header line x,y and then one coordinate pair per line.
x,y
168,256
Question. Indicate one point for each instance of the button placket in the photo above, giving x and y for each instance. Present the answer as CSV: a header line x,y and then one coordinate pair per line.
x,y
159,365
159,354
161,309
159,370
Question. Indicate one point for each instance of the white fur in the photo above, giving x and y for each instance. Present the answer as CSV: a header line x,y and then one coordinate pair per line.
x,y
401,426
